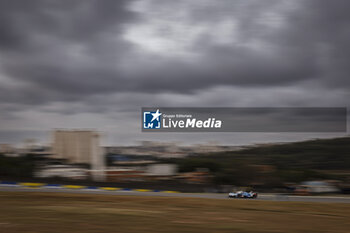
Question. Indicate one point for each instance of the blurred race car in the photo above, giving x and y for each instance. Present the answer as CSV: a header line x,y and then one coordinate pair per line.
x,y
243,194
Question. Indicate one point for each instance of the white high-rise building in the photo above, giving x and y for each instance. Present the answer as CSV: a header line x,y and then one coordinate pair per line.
x,y
80,146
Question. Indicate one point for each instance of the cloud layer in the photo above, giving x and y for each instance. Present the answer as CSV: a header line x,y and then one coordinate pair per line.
x,y
94,64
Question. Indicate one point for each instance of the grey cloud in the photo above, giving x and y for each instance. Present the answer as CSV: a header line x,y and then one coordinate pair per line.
x,y
106,58
62,46
76,48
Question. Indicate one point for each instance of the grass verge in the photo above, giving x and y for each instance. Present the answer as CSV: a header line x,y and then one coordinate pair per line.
x,y
63,212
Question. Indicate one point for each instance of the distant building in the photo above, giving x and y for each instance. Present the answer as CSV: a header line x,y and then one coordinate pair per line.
x,y
65,171
149,172
318,187
80,146
8,150
200,176
125,174
161,170
168,150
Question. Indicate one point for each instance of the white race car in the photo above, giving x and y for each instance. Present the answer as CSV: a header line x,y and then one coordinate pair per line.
x,y
243,194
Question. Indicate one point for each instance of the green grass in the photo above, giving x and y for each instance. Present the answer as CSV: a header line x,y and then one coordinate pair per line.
x,y
62,212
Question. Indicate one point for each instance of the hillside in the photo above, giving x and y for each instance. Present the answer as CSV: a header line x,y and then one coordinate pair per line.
x,y
330,154
275,165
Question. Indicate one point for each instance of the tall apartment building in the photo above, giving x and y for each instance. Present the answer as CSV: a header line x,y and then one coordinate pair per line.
x,y
80,146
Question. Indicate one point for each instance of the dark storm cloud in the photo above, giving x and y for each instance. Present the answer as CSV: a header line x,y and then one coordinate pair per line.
x,y
75,20
311,43
75,48
324,26
106,59
61,48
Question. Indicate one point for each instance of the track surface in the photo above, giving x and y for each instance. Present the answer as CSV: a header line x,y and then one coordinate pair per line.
x,y
267,197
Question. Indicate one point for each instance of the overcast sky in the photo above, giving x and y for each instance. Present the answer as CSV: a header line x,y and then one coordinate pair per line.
x,y
95,63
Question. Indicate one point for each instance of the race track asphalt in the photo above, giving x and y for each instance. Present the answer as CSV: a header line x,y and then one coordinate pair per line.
x,y
266,197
